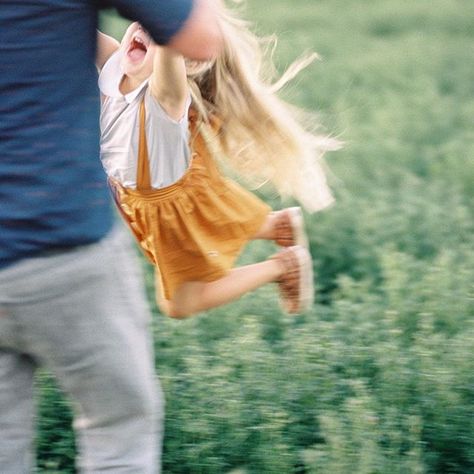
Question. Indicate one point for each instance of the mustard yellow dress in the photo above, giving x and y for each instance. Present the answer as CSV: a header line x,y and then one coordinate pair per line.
x,y
194,229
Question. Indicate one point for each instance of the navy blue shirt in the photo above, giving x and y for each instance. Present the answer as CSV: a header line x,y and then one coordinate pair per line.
x,y
53,192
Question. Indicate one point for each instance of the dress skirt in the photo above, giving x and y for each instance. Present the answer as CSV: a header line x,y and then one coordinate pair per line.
x,y
194,229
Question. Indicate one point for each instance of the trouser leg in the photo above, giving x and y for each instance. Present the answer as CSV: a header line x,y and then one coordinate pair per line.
x,y
16,413
86,319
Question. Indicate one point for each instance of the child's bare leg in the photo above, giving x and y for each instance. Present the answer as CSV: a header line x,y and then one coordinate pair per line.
x,y
194,297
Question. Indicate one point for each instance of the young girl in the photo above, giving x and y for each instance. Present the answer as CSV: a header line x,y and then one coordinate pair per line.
x,y
166,123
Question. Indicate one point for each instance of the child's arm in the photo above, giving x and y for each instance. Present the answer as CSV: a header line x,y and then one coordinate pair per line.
x,y
168,84
106,46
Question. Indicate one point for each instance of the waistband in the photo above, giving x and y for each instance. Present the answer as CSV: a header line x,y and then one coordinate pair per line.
x,y
172,190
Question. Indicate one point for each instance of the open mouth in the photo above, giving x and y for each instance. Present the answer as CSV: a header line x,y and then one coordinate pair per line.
x,y
137,49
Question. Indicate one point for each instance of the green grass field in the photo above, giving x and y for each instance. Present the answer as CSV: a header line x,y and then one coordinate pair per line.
x,y
379,378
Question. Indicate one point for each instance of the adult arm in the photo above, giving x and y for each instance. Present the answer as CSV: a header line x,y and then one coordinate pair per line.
x,y
190,27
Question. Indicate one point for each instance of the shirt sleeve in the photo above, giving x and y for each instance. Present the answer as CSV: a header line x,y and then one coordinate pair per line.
x,y
161,18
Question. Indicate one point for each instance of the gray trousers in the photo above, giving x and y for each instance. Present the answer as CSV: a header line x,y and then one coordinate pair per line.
x,y
82,314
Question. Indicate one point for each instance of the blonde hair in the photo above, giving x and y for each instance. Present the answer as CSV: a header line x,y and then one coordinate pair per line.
x,y
263,138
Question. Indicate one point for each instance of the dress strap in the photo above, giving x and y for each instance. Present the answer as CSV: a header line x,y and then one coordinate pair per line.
x,y
204,141
143,166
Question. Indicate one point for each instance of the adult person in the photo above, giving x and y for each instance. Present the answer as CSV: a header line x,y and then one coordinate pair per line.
x,y
71,297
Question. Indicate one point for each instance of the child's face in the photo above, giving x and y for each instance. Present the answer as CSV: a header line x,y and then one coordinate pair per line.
x,y
138,52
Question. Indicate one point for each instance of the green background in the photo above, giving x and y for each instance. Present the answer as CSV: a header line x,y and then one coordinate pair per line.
x,y
379,377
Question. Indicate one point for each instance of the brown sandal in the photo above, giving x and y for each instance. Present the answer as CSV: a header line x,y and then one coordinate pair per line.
x,y
296,283
289,228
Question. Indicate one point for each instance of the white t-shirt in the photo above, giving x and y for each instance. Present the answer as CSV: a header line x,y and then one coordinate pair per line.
x,y
167,139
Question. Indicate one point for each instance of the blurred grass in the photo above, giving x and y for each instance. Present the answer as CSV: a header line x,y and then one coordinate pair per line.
x,y
379,377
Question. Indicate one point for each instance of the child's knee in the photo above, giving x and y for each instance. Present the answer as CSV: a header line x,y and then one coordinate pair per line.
x,y
175,313
173,310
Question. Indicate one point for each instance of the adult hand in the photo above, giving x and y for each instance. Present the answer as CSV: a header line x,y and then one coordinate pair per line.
x,y
200,38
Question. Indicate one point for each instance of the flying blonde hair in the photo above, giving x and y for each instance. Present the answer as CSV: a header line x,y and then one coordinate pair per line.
x,y
262,138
